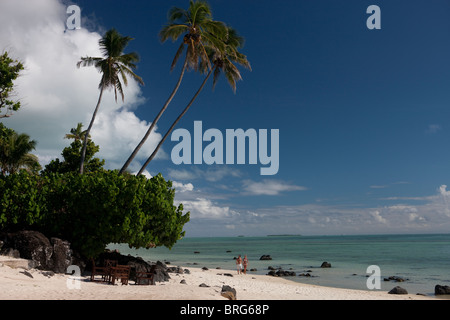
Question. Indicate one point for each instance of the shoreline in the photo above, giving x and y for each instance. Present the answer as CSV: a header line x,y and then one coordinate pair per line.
x,y
21,283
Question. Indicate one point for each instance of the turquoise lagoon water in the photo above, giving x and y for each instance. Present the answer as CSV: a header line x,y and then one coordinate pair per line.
x,y
423,260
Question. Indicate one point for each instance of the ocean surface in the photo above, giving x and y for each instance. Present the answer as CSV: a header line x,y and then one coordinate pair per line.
x,y
422,260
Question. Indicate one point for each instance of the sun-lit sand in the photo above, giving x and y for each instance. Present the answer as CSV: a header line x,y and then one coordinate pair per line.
x,y
17,283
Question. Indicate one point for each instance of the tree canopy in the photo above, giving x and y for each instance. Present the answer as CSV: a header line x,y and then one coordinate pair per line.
x,y
9,71
94,209
15,153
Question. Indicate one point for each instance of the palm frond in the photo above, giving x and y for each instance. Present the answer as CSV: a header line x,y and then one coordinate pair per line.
x,y
118,87
172,31
88,62
127,71
112,44
177,14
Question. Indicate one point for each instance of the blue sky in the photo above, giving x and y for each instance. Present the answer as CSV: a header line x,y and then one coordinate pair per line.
x,y
363,114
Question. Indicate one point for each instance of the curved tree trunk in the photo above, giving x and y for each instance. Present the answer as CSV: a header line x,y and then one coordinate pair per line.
x,y
155,121
88,131
175,123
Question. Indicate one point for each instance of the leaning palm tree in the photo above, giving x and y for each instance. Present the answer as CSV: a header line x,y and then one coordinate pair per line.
x,y
113,65
223,60
15,154
200,31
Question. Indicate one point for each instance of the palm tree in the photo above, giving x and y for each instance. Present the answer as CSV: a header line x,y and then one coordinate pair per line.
x,y
200,30
223,62
76,133
113,64
14,154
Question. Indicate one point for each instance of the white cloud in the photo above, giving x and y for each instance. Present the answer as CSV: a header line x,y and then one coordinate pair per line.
x,y
443,191
116,132
55,95
431,216
203,208
378,217
180,187
269,187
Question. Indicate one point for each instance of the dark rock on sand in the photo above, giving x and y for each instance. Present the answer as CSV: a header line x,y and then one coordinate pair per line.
x,y
175,270
265,257
25,272
228,292
225,274
398,290
438,289
203,285
47,254
325,265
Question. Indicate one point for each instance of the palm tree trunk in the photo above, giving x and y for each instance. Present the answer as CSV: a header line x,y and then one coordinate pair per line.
x,y
155,121
86,137
175,122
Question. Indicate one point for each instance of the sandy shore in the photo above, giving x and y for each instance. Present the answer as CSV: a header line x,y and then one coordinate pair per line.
x,y
17,282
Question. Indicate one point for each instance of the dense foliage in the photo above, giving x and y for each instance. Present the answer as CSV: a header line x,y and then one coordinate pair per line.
x,y
15,152
9,71
93,210
71,159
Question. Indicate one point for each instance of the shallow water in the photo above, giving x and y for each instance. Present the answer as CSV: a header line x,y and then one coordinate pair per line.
x,y
422,260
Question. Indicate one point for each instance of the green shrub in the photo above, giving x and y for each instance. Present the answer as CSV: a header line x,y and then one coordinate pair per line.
x,y
94,209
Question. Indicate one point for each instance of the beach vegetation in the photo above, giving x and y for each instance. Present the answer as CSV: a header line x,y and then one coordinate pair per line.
x,y
94,209
72,155
9,71
15,153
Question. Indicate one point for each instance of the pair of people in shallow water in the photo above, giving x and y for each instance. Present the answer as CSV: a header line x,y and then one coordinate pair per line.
x,y
242,264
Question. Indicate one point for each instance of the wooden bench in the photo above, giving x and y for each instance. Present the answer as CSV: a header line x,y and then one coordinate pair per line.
x,y
104,272
121,273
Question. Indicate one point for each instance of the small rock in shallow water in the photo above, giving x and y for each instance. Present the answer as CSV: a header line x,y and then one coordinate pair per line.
x,y
438,289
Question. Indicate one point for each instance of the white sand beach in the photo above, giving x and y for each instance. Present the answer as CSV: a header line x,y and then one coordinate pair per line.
x,y
17,282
